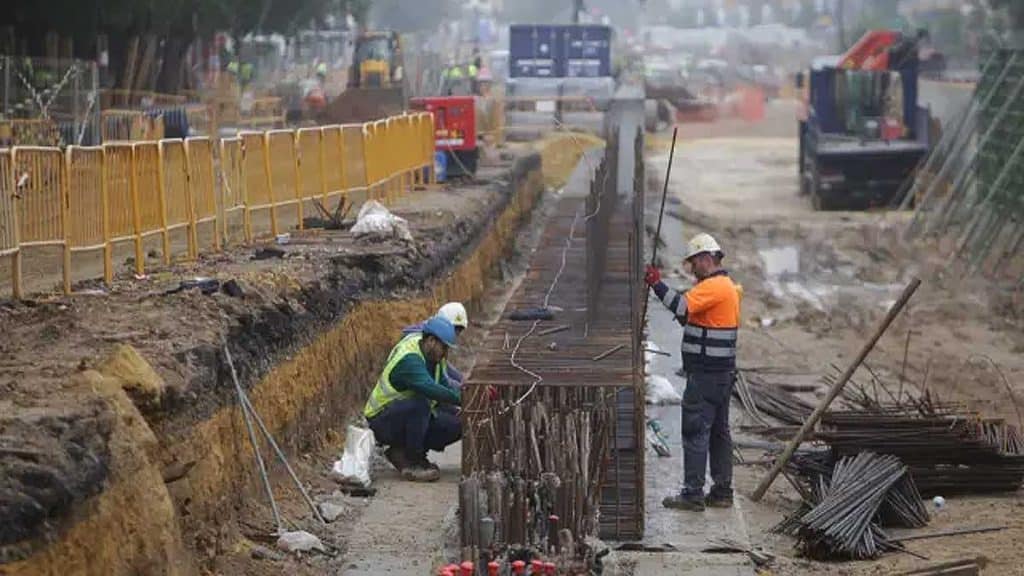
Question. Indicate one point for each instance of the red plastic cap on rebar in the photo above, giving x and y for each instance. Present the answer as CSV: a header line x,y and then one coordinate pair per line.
x,y
553,517
536,567
492,568
549,568
518,567
467,568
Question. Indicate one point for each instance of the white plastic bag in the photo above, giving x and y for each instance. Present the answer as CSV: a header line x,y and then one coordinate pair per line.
x,y
354,466
299,541
660,391
377,221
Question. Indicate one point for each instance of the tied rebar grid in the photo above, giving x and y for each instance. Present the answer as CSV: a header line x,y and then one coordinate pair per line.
x,y
559,455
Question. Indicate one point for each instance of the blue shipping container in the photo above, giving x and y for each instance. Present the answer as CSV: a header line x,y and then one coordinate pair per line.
x,y
534,51
574,51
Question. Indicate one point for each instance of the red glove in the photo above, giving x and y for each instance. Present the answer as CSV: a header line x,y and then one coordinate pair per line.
x,y
653,275
492,393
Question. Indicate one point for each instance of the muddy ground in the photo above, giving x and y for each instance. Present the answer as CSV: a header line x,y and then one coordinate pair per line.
x,y
815,286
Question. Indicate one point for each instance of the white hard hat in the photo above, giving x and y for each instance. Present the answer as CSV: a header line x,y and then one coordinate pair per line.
x,y
701,243
455,313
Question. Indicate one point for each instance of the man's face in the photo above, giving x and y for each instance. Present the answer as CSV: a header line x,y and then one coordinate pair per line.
x,y
701,265
434,349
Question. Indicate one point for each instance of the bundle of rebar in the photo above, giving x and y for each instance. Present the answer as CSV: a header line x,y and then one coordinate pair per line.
x,y
948,448
847,502
947,453
759,398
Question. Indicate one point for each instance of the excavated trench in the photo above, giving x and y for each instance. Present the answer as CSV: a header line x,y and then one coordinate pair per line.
x,y
135,458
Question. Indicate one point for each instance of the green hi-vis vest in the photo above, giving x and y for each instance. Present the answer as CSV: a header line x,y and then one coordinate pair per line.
x,y
384,393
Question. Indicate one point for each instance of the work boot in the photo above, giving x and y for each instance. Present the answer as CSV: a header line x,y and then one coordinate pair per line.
x,y
718,500
420,472
396,457
683,502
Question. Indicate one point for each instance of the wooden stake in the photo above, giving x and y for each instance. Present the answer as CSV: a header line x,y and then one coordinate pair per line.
x,y
834,391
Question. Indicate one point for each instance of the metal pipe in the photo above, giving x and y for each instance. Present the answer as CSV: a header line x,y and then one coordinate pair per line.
x,y
255,445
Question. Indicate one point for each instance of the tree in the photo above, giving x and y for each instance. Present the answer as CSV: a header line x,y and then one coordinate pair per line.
x,y
177,23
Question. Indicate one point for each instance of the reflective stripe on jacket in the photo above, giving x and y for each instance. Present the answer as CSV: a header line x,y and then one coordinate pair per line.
x,y
712,325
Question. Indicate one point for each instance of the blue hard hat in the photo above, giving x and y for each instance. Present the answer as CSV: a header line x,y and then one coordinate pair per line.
x,y
442,329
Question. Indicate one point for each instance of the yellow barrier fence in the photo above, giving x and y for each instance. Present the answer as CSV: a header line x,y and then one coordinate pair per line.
x,y
202,188
89,199
284,172
353,157
40,186
9,245
232,189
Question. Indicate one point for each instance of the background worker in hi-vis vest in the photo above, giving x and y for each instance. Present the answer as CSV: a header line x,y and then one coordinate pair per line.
x,y
709,313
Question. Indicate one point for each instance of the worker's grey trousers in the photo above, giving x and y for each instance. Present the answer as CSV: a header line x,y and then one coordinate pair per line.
x,y
706,432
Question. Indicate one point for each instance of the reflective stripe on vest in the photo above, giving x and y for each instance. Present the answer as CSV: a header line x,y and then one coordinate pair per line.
x,y
383,392
709,349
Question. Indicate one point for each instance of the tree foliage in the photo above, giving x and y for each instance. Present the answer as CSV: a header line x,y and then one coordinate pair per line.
x,y
83,20
175,23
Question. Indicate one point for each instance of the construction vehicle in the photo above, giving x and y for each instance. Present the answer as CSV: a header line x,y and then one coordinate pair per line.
x,y
862,133
376,82
454,131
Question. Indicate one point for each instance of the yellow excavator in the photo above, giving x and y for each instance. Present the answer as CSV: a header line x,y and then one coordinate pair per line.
x,y
376,81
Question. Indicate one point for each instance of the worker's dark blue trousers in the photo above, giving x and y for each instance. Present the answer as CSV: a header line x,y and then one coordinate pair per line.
x,y
706,433
410,425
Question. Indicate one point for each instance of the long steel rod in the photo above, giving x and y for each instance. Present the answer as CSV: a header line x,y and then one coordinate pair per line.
x,y
959,184
255,444
944,533
944,147
834,391
273,443
661,215
919,215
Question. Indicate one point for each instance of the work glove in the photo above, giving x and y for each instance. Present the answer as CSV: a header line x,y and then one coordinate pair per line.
x,y
653,276
492,393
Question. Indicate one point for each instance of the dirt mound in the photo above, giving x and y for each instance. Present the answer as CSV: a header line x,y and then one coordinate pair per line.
x,y
50,460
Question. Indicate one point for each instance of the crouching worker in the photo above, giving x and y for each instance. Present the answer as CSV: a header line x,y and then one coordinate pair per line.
x,y
403,408
455,313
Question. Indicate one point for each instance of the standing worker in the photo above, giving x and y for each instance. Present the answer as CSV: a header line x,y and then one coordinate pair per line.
x,y
709,313
403,407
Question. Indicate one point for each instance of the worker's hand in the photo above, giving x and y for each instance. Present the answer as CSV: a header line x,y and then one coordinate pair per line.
x,y
492,393
653,275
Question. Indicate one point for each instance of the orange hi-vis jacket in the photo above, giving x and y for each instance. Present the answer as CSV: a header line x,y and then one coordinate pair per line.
x,y
710,315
